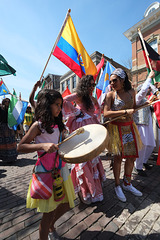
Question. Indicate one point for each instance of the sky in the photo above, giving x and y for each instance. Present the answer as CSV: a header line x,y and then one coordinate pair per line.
x,y
29,29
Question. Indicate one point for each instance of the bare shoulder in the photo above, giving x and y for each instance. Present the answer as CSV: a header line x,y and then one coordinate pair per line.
x,y
110,94
35,128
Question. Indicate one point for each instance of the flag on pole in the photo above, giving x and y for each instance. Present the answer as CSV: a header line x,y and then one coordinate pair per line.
x,y
71,51
154,59
44,82
103,84
3,88
16,111
5,68
66,92
99,66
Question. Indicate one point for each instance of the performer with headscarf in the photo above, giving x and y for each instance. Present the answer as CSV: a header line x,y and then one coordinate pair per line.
x,y
124,139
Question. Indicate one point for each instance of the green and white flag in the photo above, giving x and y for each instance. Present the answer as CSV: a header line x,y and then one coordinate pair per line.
x,y
16,111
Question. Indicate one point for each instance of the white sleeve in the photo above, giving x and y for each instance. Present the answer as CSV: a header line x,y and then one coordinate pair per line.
x,y
143,92
154,89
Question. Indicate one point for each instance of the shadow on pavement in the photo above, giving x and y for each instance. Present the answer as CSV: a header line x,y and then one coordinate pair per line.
x,y
107,235
2,173
19,162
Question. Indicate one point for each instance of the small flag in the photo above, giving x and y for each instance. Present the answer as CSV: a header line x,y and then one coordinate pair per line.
x,y
154,59
16,111
66,92
3,88
5,68
99,66
103,84
72,53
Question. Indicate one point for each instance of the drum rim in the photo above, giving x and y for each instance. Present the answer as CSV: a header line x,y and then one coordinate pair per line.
x,y
89,157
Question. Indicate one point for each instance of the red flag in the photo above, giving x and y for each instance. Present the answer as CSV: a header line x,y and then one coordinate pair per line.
x,y
66,92
99,66
154,59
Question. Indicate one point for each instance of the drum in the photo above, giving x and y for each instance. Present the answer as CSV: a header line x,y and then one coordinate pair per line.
x,y
85,146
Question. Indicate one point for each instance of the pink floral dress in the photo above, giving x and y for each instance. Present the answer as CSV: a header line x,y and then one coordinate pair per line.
x,y
87,177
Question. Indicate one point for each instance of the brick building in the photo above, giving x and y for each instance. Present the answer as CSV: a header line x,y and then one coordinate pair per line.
x,y
150,28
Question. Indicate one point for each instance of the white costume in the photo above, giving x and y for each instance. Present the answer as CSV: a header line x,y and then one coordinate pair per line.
x,y
143,119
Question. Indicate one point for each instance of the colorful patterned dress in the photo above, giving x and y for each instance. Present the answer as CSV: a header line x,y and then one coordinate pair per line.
x,y
124,138
87,177
48,162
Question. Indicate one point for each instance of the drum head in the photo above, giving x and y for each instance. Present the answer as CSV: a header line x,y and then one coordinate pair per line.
x,y
85,146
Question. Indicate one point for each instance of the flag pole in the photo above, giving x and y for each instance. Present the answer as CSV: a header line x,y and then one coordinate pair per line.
x,y
145,49
59,35
11,93
18,98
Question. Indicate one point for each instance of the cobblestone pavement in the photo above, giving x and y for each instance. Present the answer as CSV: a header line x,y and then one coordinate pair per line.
x,y
138,218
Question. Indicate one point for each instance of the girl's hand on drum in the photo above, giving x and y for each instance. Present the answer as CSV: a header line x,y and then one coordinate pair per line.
x,y
50,147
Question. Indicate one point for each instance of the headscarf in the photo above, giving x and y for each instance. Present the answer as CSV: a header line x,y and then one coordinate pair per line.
x,y
119,72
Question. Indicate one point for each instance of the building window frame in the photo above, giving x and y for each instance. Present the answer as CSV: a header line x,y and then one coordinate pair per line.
x,y
74,81
68,84
154,44
63,86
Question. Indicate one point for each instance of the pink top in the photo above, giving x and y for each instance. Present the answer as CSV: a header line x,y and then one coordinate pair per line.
x,y
49,158
73,97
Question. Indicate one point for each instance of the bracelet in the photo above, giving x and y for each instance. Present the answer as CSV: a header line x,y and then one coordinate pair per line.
x,y
125,111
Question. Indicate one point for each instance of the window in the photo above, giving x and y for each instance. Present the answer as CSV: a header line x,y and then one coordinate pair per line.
x,y
63,86
74,82
153,44
68,83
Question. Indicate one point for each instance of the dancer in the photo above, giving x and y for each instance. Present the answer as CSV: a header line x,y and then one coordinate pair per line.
x,y
46,131
143,119
87,177
124,140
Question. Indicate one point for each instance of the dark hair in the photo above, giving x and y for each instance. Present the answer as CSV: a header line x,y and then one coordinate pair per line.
x,y
83,91
127,83
43,112
4,101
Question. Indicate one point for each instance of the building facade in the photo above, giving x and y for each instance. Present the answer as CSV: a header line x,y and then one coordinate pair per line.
x,y
52,81
150,29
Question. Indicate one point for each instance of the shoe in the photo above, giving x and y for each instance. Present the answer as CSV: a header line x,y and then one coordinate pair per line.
x,y
147,166
120,194
132,189
87,202
54,236
141,172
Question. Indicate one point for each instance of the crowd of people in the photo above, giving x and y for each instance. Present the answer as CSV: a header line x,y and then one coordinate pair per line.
x,y
128,131
9,137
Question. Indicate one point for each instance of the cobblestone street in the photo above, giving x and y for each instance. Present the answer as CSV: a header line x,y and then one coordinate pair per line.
x,y
138,218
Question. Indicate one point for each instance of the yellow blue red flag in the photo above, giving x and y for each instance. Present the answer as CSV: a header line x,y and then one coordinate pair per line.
x,y
72,53
3,88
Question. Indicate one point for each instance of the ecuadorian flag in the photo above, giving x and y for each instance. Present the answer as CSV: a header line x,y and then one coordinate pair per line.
x,y
72,53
